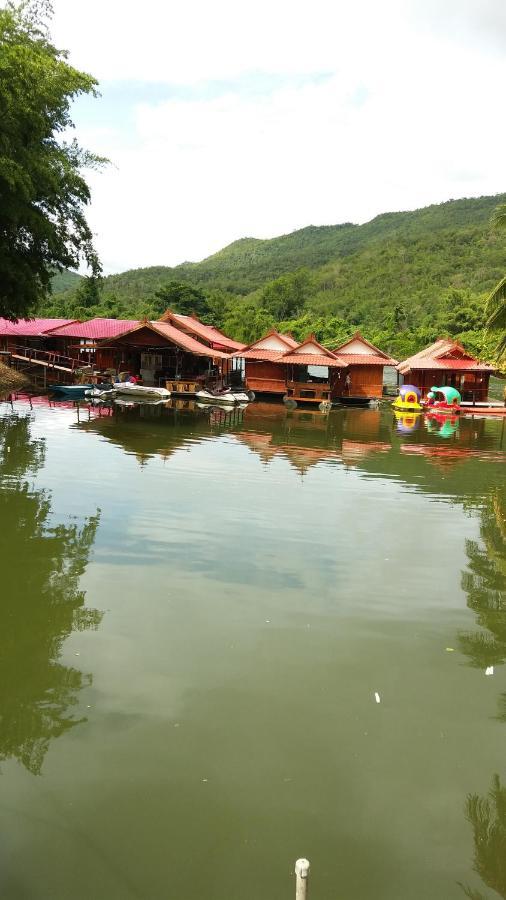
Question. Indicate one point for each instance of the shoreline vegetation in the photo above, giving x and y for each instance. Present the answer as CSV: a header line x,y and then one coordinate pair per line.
x,y
10,380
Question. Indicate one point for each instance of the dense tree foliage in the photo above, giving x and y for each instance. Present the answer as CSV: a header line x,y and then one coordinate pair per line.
x,y
496,305
403,279
42,190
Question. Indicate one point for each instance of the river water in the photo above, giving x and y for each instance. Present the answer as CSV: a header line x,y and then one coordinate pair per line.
x,y
199,613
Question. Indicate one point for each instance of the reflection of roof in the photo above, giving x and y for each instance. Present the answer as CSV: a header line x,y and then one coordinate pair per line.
x,y
353,451
444,354
31,327
206,332
96,329
174,336
356,358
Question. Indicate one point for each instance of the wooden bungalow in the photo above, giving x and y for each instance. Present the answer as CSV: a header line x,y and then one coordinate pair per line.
x,y
313,373
34,333
206,334
160,354
446,362
30,345
82,340
363,379
263,373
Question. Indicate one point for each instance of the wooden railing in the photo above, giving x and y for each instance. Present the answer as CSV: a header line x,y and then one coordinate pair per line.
x,y
46,357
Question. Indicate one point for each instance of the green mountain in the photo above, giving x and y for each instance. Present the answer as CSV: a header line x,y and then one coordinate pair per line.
x,y
64,281
246,264
403,278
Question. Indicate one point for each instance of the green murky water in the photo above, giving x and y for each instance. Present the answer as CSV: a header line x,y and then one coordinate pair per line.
x,y
197,610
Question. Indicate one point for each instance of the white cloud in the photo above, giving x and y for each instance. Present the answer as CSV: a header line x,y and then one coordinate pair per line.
x,y
401,120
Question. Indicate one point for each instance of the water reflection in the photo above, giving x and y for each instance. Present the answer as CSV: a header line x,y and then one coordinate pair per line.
x,y
487,816
41,603
372,441
484,582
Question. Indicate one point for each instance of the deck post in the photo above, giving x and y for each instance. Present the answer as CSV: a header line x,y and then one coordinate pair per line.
x,y
301,879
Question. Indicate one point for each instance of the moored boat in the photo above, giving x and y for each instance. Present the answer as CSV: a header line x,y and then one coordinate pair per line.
x,y
142,391
226,396
444,399
76,391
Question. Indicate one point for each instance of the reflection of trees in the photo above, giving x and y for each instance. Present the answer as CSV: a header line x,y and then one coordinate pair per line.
x,y
487,816
485,585
40,605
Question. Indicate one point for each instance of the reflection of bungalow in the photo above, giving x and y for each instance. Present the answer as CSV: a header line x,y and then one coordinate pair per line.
x,y
446,362
264,374
363,379
156,351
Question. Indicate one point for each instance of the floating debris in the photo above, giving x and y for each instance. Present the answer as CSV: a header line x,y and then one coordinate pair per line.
x,y
377,697
450,649
489,670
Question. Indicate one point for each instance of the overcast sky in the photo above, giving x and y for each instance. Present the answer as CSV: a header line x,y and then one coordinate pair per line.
x,y
226,118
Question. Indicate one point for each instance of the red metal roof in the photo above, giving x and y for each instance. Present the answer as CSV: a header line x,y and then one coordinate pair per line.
x,y
31,327
96,329
207,332
444,354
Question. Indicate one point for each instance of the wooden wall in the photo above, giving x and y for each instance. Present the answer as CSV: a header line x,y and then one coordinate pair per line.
x,y
265,377
365,381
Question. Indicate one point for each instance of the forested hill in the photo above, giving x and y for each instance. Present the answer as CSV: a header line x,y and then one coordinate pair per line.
x,y
248,263
403,278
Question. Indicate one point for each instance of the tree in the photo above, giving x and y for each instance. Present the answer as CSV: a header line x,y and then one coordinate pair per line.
x,y
43,194
181,298
496,304
286,296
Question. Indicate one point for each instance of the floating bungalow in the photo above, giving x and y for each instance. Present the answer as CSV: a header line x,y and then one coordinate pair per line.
x,y
30,346
34,333
365,363
159,353
263,371
447,363
310,373
81,340
313,373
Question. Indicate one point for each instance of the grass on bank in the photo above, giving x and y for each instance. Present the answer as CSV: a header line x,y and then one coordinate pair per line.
x,y
10,380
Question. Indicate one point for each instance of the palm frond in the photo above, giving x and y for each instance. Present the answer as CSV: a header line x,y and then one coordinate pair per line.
x,y
496,311
499,217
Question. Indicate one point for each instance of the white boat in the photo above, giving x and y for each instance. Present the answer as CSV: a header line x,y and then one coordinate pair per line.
x,y
143,391
97,394
228,397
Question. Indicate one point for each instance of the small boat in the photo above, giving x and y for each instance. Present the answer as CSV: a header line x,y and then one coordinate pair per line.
x,y
443,400
76,391
142,391
98,393
408,399
227,397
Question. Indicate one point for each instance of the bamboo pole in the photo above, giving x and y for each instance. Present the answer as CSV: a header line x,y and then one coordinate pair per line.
x,y
301,879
